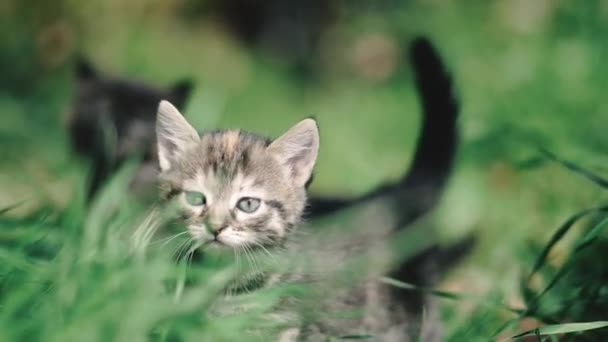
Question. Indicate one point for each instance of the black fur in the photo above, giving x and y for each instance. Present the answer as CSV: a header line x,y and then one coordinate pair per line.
x,y
113,119
289,30
420,188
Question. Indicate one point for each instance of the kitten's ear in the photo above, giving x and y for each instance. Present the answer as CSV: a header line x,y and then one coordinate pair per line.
x,y
84,69
297,150
174,134
180,92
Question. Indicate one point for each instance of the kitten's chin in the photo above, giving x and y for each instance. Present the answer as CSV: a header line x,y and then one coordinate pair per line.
x,y
219,245
213,245
215,248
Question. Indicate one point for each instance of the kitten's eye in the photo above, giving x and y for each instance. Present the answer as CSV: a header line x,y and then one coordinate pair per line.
x,y
195,198
248,204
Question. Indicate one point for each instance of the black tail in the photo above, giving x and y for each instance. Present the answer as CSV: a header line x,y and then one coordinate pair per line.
x,y
433,161
420,188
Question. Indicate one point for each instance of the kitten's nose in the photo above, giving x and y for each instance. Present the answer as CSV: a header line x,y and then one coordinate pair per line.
x,y
215,221
215,228
217,232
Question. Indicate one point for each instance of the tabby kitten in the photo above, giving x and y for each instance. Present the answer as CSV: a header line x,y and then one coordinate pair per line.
x,y
240,191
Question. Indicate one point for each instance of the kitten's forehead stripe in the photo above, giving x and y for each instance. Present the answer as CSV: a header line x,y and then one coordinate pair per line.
x,y
231,141
226,153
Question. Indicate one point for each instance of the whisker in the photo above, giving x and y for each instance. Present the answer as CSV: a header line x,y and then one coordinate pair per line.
x,y
190,255
179,252
259,244
178,247
229,288
193,248
248,256
146,228
236,257
167,240
256,266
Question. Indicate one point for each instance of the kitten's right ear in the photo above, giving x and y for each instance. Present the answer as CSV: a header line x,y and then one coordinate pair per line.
x,y
174,134
85,70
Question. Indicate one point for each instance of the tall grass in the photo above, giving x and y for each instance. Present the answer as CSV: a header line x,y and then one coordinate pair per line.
x,y
528,75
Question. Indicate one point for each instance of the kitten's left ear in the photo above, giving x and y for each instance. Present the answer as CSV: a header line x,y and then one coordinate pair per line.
x,y
180,92
297,150
84,69
174,134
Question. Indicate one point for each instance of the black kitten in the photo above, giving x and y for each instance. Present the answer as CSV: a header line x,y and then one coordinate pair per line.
x,y
113,119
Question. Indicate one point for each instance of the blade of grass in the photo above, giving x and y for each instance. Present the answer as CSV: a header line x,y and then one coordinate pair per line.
x,y
576,169
560,233
11,207
584,242
558,329
447,295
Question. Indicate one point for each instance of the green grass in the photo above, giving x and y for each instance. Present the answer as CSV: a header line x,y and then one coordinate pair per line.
x,y
531,76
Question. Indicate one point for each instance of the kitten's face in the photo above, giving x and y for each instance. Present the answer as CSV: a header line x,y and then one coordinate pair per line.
x,y
235,189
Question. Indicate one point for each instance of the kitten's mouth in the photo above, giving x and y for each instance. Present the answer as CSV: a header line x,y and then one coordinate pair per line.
x,y
215,247
204,240
215,242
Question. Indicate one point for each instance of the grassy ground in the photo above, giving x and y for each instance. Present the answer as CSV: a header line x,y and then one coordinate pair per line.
x,y
530,75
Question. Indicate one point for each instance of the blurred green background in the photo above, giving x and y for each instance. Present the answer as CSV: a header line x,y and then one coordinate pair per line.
x,y
529,74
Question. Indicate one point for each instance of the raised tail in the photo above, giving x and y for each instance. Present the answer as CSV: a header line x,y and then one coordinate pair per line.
x,y
433,160
420,188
